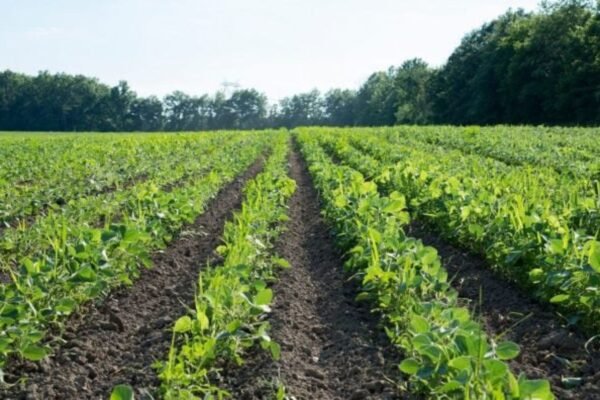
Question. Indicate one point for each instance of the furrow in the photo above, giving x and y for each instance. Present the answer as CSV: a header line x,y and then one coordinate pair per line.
x,y
331,346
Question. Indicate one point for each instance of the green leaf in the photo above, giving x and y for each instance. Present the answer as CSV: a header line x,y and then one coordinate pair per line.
x,y
263,297
476,230
122,392
34,353
461,314
363,296
281,392
536,274
451,386
85,274
281,262
340,201
202,320
233,326
507,350
221,250
409,366
183,324
559,298
556,246
132,235
495,370
594,257
513,385
464,213
66,305
275,350
419,324
395,206
461,363
433,352
535,389
4,343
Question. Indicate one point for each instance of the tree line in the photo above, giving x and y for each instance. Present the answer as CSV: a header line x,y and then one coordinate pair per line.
x,y
538,67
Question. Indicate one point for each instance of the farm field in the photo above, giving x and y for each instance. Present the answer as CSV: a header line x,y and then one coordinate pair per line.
x,y
319,263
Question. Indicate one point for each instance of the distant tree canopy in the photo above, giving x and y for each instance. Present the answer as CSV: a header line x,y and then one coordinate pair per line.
x,y
521,68
526,68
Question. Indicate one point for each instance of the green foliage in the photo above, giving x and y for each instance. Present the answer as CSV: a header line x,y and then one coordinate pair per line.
x,y
80,251
535,225
507,71
122,392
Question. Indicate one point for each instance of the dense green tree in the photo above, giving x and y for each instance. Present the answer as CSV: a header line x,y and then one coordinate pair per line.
x,y
245,109
147,114
411,83
466,89
187,113
376,100
526,68
120,102
339,107
553,75
301,109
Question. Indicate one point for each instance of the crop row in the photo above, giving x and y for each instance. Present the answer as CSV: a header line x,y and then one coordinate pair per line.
x,y
448,354
533,235
102,209
78,253
233,297
41,172
572,151
575,198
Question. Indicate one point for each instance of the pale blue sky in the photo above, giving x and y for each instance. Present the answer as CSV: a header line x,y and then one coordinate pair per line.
x,y
280,47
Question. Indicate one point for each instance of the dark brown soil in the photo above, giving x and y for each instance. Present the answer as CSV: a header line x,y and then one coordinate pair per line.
x,y
119,340
548,348
331,346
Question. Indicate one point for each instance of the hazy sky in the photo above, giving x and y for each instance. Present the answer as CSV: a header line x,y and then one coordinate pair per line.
x,y
280,47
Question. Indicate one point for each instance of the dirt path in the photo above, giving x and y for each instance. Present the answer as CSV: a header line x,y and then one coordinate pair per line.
x,y
548,349
118,341
331,347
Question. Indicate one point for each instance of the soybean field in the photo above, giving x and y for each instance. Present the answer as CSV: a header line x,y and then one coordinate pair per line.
x,y
398,262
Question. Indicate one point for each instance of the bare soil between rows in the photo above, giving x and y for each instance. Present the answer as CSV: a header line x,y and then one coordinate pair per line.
x,y
118,341
549,349
331,346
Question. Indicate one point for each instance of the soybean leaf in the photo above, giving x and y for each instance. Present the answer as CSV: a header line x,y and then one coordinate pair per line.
x,y
263,297
409,366
34,353
122,392
507,350
419,324
275,350
183,324
559,298
535,389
